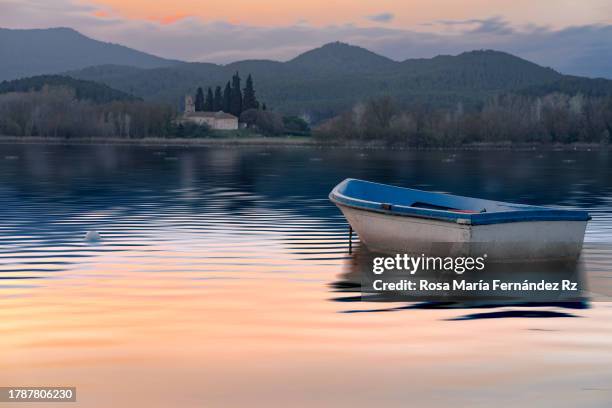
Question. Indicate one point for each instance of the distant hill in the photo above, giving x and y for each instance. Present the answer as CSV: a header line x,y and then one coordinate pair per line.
x,y
483,69
26,53
84,90
339,57
329,79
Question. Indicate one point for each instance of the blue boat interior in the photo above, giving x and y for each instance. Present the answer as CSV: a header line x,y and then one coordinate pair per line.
x,y
392,200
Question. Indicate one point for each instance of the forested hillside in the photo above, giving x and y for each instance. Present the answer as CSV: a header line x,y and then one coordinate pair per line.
x,y
331,79
345,92
83,90
317,84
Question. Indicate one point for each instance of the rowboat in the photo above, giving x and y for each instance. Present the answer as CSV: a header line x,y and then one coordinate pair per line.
x,y
394,220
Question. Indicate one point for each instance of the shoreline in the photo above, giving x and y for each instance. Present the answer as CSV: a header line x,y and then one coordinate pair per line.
x,y
160,141
294,141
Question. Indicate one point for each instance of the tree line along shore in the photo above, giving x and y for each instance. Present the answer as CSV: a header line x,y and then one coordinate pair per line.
x,y
56,106
72,110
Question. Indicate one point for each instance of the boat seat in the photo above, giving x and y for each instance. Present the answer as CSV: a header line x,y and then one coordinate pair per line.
x,y
443,208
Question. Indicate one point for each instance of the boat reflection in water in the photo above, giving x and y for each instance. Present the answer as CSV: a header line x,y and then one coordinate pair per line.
x,y
523,285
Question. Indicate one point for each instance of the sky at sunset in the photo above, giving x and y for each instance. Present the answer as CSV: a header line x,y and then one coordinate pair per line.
x,y
558,33
393,13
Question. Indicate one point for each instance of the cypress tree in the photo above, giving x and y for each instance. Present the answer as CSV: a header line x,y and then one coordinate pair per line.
x,y
227,98
210,102
218,100
199,100
249,100
236,96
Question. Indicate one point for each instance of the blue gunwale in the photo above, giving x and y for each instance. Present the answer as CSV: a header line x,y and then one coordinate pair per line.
x,y
393,200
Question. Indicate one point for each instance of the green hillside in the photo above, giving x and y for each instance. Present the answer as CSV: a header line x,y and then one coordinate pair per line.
x,y
572,85
327,80
84,90
335,57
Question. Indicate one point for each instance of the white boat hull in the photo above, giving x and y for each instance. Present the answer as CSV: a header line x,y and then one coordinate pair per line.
x,y
512,241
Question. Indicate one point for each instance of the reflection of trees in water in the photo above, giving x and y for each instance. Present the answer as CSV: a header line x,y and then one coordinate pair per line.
x,y
135,179
498,175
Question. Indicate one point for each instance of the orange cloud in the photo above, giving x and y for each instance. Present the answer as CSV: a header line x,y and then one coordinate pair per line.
x,y
262,12
101,14
161,19
166,20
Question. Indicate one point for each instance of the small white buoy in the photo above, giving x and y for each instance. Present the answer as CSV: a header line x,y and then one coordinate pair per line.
x,y
92,236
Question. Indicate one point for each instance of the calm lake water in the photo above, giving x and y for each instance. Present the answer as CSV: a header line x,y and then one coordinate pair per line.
x,y
223,279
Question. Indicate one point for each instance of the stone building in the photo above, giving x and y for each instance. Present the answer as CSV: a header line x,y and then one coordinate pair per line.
x,y
216,120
